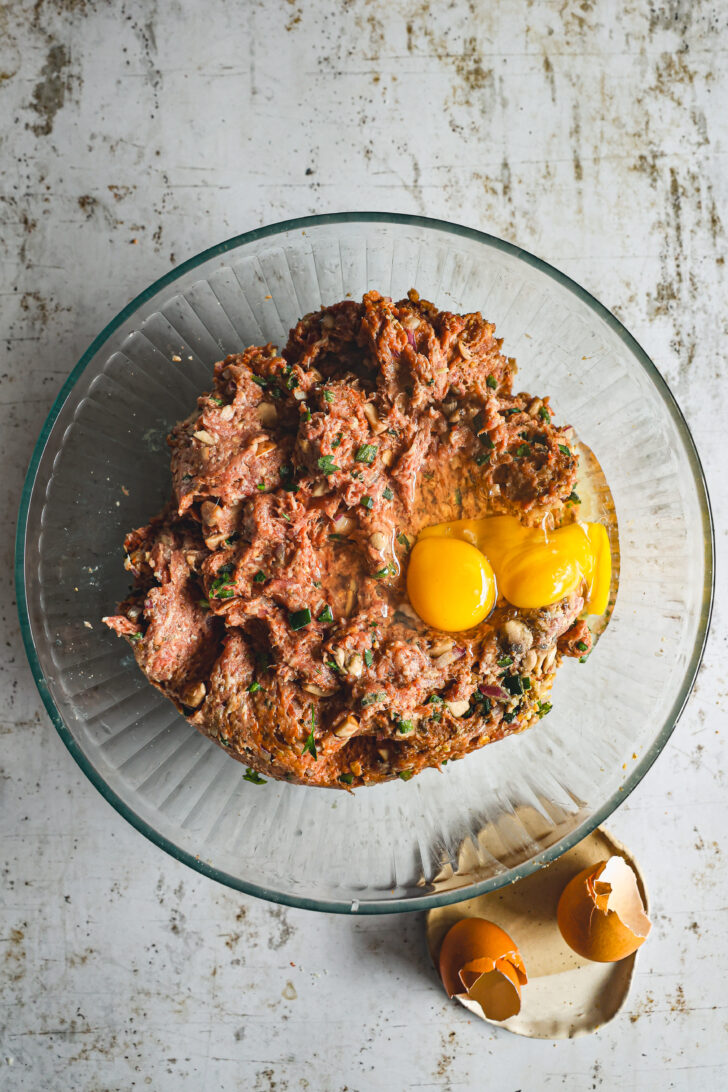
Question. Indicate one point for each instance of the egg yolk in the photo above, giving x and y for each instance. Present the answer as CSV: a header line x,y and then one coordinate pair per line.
x,y
450,583
533,567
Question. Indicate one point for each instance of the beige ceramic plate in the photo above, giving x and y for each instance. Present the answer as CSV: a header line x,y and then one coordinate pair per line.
x,y
566,995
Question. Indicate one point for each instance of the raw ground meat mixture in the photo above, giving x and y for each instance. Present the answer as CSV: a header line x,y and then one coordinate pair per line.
x,y
270,597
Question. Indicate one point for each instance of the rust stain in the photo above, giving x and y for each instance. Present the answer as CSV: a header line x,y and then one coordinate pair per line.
x,y
49,93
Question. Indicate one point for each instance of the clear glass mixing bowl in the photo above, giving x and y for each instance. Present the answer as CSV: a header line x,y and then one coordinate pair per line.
x,y
100,467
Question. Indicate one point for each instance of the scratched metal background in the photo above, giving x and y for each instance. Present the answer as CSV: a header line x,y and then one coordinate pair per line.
x,y
133,134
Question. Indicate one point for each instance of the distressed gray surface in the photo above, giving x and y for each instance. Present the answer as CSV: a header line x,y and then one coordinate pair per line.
x,y
135,134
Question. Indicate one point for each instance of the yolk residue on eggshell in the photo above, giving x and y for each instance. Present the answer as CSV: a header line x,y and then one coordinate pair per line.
x,y
601,914
479,960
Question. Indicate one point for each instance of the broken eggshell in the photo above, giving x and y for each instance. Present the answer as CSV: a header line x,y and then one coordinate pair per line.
x,y
601,914
480,962
567,995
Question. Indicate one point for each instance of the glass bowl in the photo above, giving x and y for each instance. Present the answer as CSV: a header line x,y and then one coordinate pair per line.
x,y
101,467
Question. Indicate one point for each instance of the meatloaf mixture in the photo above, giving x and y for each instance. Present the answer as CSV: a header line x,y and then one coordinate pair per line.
x,y
270,598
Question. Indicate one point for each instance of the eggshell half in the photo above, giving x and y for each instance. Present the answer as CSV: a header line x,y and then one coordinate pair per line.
x,y
566,995
600,912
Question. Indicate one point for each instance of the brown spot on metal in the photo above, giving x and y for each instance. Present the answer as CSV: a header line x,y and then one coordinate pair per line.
x,y
50,92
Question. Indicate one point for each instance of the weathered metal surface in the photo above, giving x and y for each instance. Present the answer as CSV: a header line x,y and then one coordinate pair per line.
x,y
135,134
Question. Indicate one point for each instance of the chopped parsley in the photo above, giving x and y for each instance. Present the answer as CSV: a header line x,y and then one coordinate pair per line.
x,y
382,573
404,727
573,497
138,636
582,646
484,703
328,396
275,392
259,577
387,493
565,450
334,666
310,746
337,441
505,661
216,401
291,382
326,615
254,686
299,619
521,450
186,477
458,498
514,684
221,587
290,487
347,778
543,707
367,502
370,699
307,415
405,775
403,540
434,699
545,416
366,454
253,777
368,658
482,457
260,380
583,659
492,382
327,464
510,717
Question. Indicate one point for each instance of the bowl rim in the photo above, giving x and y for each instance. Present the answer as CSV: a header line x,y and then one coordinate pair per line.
x,y
378,905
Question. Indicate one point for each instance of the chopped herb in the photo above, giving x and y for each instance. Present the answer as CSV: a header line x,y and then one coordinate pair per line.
x,y
392,432
583,659
328,396
405,727
521,450
458,498
387,493
216,401
383,572
327,464
370,699
310,746
334,666
482,457
508,412
138,636
326,615
221,587
337,537
276,392
436,716
291,382
545,416
232,538
405,775
483,702
564,450
260,487
307,415
347,778
368,658
543,707
186,477
254,686
434,699
290,487
510,717
286,517
367,502
260,380
574,497
253,777
526,682
582,646
366,454
492,382
513,684
337,441
403,540
356,474
505,661
299,619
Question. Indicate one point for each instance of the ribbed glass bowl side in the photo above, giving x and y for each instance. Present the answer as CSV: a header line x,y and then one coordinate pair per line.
x,y
101,467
